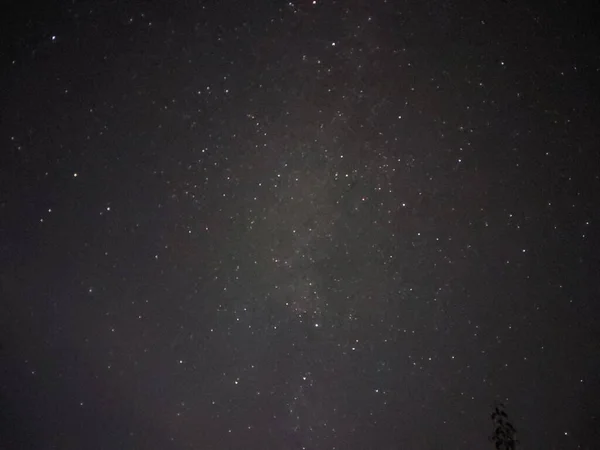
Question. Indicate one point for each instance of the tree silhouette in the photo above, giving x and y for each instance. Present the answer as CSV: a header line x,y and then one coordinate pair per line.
x,y
504,435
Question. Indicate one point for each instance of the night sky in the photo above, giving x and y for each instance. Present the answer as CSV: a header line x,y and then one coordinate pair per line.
x,y
298,225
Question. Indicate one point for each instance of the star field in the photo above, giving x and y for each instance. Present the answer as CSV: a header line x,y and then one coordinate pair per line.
x,y
298,225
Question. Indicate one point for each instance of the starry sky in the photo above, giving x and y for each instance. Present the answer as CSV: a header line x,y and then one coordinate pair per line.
x,y
298,224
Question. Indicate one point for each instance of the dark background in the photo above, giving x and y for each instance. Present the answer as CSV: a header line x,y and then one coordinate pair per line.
x,y
286,225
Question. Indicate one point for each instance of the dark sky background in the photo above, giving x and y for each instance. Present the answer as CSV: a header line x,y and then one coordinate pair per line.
x,y
298,225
